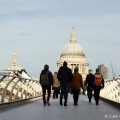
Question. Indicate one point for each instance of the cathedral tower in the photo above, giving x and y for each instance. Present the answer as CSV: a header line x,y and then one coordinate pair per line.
x,y
74,55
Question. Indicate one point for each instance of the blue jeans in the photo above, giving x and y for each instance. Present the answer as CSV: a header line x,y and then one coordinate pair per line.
x,y
64,93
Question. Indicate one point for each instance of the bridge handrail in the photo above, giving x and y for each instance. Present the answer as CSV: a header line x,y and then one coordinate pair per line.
x,y
16,87
18,102
111,90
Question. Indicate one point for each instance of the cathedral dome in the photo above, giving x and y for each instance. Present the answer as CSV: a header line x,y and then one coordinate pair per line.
x,y
72,48
74,55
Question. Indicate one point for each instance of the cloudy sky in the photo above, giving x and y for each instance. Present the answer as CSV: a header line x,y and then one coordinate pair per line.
x,y
37,31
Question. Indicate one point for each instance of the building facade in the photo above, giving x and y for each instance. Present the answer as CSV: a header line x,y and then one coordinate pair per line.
x,y
74,55
15,69
103,71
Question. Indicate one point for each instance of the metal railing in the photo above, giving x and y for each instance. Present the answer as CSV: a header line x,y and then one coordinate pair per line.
x,y
14,88
111,90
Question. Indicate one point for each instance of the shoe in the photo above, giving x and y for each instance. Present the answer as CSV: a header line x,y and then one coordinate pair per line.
x,y
97,103
75,103
48,103
89,100
44,104
61,102
65,104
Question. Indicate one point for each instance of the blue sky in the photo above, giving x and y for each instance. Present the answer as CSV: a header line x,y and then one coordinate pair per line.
x,y
37,31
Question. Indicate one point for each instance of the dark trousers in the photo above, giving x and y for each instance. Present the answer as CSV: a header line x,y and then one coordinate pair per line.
x,y
75,96
89,92
64,93
97,93
44,90
56,91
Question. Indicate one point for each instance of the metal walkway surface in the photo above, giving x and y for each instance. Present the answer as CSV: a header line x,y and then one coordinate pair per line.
x,y
84,111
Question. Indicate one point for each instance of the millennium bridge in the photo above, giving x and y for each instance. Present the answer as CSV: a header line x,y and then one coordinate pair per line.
x,y
20,99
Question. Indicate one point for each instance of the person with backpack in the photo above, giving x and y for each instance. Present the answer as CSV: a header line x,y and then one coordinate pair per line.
x,y
65,77
46,81
98,84
89,83
76,85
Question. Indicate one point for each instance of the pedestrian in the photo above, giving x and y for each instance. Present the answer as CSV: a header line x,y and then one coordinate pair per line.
x,y
56,86
46,81
65,78
76,85
89,84
98,84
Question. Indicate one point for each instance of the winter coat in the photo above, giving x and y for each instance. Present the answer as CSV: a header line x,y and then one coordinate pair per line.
x,y
50,76
89,80
77,81
56,82
64,75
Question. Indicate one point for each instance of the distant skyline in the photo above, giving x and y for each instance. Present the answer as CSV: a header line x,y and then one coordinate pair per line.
x,y
37,31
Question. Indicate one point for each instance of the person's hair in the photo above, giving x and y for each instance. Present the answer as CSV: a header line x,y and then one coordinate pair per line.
x,y
46,67
97,70
55,72
90,71
65,63
76,69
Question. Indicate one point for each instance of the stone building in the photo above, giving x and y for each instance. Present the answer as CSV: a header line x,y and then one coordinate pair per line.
x,y
15,69
103,71
74,55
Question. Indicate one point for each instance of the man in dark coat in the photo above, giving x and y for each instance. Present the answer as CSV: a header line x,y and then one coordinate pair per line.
x,y
96,87
65,78
89,83
46,87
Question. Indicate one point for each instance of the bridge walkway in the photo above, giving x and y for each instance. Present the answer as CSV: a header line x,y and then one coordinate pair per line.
x,y
84,111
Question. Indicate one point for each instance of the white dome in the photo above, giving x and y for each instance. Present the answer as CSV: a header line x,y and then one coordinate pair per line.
x,y
74,55
72,49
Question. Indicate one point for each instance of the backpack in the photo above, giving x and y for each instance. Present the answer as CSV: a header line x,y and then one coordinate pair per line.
x,y
98,78
44,80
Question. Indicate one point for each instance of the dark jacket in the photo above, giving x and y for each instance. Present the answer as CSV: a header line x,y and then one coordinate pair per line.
x,y
64,75
50,76
89,80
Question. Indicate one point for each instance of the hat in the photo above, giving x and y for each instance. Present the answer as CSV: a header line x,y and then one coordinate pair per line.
x,y
46,67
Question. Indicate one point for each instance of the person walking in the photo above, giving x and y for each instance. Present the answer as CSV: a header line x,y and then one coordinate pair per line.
x,y
76,85
89,84
65,78
46,81
56,86
98,84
